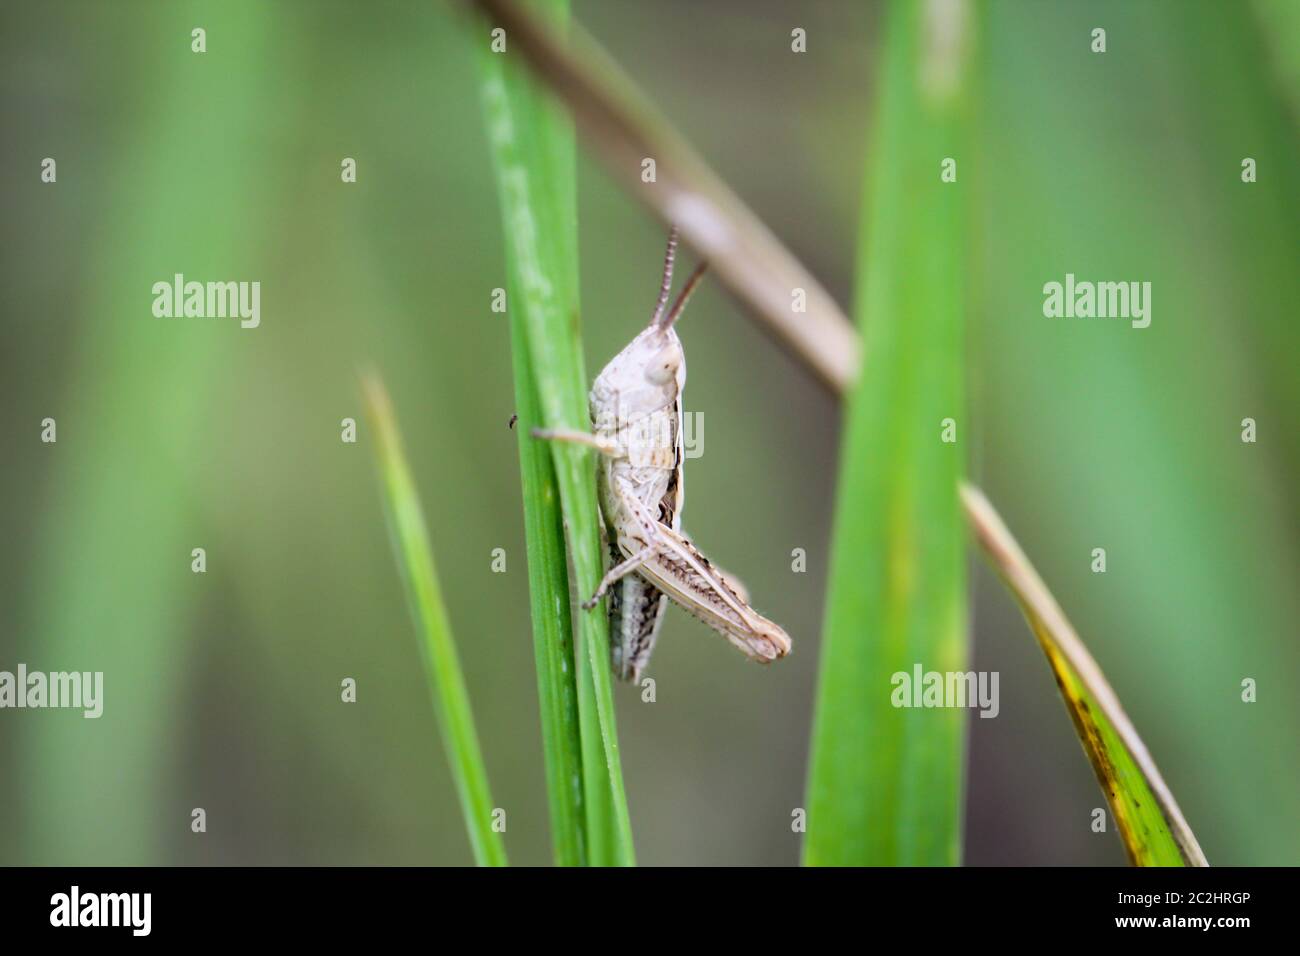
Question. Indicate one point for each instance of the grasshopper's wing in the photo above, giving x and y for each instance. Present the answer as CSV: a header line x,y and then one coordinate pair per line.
x,y
674,499
687,577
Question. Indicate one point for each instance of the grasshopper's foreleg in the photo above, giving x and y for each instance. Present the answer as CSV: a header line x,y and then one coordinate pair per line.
x,y
602,445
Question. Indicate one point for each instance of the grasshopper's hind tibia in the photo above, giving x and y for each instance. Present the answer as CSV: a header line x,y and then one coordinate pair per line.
x,y
618,572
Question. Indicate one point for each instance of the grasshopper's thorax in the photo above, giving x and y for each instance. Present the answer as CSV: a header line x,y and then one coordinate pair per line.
x,y
636,405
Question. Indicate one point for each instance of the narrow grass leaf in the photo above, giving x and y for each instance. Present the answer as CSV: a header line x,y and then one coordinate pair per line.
x,y
532,147
446,682
548,584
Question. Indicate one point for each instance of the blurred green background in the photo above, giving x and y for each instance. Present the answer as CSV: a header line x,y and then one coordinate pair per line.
x,y
222,689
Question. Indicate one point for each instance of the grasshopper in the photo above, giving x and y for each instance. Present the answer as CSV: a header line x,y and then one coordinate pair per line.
x,y
636,410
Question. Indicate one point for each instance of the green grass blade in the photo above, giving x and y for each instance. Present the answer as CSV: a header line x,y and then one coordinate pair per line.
x,y
548,583
532,148
1147,816
446,682
885,782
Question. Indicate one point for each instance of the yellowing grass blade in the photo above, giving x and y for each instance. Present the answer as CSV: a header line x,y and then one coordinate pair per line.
x,y
1149,821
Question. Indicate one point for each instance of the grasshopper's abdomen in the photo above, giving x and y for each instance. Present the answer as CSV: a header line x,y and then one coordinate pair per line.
x,y
636,611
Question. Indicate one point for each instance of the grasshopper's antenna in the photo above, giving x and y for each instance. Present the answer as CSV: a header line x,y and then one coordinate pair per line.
x,y
685,294
667,285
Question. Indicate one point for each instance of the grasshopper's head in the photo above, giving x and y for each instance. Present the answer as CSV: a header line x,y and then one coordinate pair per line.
x,y
647,376
650,373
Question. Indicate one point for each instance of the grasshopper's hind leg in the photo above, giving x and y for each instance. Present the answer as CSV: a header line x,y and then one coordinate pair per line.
x,y
620,571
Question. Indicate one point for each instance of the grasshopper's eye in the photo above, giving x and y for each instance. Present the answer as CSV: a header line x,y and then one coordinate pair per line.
x,y
662,368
